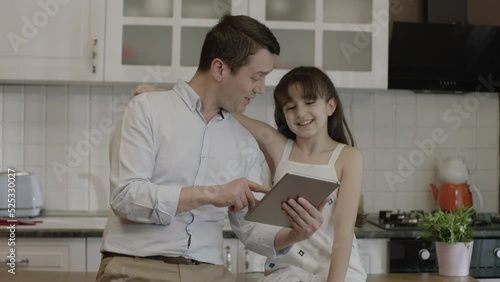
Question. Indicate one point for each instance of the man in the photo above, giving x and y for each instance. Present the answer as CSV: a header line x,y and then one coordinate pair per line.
x,y
179,160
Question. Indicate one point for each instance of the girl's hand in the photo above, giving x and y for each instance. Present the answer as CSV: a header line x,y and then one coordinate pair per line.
x,y
141,88
305,218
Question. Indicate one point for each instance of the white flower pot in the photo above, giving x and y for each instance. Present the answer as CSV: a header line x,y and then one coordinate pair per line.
x,y
454,260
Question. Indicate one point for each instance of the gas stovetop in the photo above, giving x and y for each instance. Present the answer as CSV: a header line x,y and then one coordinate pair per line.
x,y
401,220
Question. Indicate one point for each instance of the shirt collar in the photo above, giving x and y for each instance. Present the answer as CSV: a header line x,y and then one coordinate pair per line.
x,y
191,98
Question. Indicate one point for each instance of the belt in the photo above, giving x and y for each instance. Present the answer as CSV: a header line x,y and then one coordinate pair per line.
x,y
172,260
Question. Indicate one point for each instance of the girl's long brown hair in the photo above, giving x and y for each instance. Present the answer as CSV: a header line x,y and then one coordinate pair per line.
x,y
315,84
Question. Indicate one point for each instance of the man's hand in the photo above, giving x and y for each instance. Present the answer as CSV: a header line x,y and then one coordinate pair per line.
x,y
236,194
141,88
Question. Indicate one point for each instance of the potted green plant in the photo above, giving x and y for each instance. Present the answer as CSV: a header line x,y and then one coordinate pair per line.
x,y
452,233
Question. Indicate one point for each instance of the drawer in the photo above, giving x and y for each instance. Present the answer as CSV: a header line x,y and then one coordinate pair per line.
x,y
45,254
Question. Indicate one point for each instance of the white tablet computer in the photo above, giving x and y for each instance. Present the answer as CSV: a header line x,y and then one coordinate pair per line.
x,y
292,185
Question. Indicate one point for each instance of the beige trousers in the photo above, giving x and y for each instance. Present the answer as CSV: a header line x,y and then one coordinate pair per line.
x,y
121,269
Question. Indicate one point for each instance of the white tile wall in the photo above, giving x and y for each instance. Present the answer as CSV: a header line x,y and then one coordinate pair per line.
x,y
61,132
400,144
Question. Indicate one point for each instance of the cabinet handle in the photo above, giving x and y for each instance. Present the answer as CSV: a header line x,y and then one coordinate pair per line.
x,y
26,261
94,56
247,260
228,257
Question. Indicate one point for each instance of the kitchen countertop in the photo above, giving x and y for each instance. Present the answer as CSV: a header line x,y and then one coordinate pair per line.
x,y
52,276
61,226
93,226
81,226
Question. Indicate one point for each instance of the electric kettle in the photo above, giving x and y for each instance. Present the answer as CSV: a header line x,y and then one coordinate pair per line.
x,y
28,199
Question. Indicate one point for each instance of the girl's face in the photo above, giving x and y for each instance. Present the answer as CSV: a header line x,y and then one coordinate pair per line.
x,y
307,118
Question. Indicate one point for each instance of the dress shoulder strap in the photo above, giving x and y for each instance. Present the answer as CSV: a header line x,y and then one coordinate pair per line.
x,y
336,153
288,149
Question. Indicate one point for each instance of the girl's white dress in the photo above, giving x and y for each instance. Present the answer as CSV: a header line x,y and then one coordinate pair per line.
x,y
309,260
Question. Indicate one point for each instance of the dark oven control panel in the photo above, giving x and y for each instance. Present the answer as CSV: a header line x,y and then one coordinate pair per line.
x,y
410,255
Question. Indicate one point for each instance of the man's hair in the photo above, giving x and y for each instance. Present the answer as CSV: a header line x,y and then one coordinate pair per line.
x,y
234,39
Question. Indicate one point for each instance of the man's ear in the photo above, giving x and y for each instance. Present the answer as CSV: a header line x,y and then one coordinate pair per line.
x,y
331,106
218,69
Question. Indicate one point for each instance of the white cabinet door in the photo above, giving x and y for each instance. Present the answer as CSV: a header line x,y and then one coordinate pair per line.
x,y
374,255
154,42
45,254
230,254
249,261
93,253
55,40
347,39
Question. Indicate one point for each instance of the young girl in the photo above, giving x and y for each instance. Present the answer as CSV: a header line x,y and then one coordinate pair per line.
x,y
313,138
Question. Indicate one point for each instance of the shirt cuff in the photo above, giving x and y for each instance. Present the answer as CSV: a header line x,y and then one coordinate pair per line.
x,y
166,206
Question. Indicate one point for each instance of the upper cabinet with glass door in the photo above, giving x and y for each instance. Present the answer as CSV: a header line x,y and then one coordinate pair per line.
x,y
346,38
159,41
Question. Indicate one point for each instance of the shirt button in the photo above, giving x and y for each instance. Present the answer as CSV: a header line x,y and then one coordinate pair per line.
x,y
204,157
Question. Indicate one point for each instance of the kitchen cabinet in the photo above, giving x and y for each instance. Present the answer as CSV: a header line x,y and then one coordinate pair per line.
x,y
47,254
239,259
374,255
230,254
347,39
52,40
159,41
249,261
93,253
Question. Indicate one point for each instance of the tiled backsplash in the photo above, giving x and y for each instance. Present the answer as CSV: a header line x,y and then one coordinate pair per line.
x,y
61,133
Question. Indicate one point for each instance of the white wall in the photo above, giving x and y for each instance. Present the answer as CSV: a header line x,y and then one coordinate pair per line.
x,y
61,133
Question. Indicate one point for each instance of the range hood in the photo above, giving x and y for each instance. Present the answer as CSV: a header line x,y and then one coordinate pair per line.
x,y
444,57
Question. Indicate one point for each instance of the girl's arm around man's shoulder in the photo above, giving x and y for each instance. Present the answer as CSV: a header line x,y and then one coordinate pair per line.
x,y
271,141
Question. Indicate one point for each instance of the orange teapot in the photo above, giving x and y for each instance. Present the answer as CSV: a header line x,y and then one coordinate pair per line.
x,y
451,197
